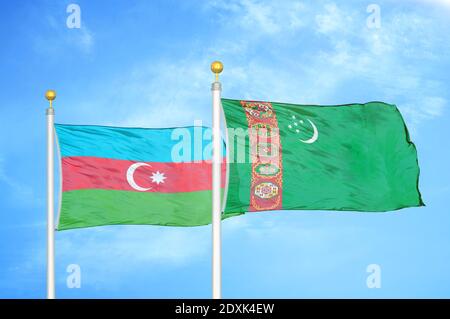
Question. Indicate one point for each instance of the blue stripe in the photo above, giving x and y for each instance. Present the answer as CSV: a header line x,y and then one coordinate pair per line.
x,y
136,144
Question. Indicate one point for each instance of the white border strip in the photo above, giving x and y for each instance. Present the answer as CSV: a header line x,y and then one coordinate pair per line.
x,y
227,159
60,177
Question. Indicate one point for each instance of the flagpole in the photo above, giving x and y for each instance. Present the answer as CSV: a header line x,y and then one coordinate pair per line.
x,y
216,88
50,95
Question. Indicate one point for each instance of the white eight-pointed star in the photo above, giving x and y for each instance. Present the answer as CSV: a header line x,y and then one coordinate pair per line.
x,y
158,177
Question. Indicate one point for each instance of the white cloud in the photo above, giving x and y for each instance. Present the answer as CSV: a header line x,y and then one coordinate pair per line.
x,y
84,39
261,17
59,38
147,245
343,52
434,106
332,20
346,52
152,94
424,108
21,192
141,247
443,3
170,94
389,59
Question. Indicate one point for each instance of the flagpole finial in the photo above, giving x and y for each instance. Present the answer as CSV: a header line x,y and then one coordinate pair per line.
x,y
217,68
50,95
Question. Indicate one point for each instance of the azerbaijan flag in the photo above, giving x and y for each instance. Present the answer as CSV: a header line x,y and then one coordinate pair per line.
x,y
118,176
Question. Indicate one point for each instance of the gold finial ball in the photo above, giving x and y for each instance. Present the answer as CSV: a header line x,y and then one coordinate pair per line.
x,y
216,67
50,95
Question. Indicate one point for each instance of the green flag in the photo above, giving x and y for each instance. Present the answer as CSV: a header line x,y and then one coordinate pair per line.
x,y
355,157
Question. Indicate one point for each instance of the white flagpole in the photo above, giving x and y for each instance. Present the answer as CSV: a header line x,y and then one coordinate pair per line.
x,y
216,68
50,95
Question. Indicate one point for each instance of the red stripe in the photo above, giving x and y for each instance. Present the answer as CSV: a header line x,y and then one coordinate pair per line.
x,y
265,189
81,172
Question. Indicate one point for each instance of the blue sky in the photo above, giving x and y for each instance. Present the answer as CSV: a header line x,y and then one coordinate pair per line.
x,y
146,63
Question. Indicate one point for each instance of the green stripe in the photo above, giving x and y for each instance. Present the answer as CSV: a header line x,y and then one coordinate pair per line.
x,y
240,171
96,207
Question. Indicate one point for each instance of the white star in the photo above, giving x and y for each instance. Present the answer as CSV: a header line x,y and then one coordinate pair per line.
x,y
293,117
158,177
301,121
298,131
295,123
290,126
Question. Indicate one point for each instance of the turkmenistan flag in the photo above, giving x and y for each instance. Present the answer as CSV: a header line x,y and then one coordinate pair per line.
x,y
355,157
114,175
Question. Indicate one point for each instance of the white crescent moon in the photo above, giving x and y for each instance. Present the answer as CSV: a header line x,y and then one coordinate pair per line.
x,y
130,177
315,134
